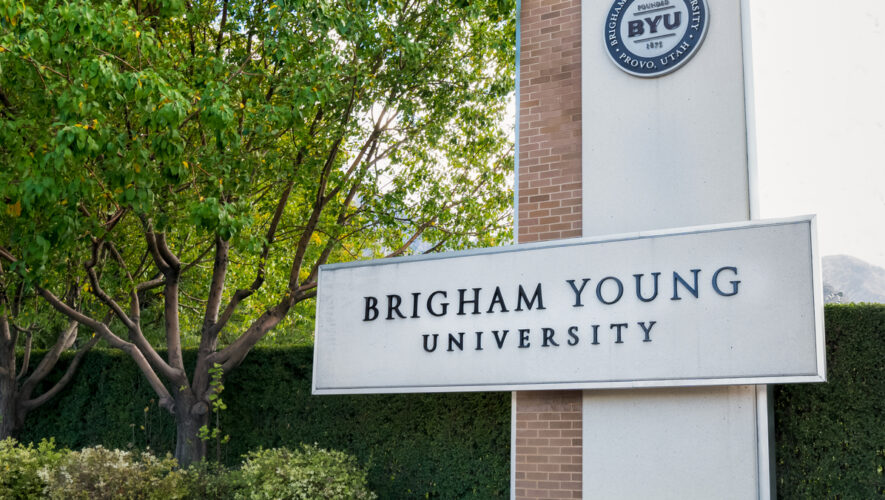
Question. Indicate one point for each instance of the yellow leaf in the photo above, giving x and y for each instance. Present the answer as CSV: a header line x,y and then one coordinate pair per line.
x,y
185,164
137,34
15,209
137,169
242,105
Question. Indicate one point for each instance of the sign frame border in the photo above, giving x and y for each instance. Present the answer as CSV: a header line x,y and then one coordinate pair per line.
x,y
818,305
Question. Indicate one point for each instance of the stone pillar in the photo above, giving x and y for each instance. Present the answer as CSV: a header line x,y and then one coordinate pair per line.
x,y
548,424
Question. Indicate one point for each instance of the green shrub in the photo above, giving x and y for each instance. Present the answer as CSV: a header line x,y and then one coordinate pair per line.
x,y
415,445
211,480
830,438
99,473
20,467
309,473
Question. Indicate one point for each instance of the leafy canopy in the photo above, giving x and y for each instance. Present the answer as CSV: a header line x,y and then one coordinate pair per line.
x,y
296,132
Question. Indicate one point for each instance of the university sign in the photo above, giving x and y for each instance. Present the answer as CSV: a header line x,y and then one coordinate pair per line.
x,y
651,38
714,305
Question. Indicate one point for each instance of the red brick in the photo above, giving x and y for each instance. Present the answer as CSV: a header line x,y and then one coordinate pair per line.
x,y
548,424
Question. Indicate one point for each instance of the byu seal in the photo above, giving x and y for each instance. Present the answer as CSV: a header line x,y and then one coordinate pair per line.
x,y
654,37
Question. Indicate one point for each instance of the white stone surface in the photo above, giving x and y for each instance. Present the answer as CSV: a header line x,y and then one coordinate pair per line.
x,y
659,153
762,329
687,443
669,151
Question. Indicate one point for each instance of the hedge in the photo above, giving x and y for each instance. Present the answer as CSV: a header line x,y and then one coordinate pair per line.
x,y
830,437
415,446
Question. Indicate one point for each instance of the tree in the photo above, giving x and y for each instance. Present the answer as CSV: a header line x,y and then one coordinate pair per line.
x,y
196,162
17,383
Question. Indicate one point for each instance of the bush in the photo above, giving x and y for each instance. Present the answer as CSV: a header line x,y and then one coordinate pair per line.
x,y
830,438
415,445
211,480
99,473
309,473
20,468
27,472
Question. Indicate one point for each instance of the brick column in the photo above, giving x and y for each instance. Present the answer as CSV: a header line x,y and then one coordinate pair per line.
x,y
548,444
548,423
550,121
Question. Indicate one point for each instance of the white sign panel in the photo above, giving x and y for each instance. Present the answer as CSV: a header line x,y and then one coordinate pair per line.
x,y
726,304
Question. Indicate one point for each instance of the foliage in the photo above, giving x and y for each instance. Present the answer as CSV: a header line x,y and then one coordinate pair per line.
x,y
26,322
439,445
218,406
211,480
20,467
309,473
101,473
830,437
191,168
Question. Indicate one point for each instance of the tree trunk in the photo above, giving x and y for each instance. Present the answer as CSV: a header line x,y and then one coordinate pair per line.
x,y
9,418
190,415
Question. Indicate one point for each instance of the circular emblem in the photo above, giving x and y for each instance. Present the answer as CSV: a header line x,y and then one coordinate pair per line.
x,y
654,37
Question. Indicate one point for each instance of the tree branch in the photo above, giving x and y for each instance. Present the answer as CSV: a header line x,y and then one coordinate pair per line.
x,y
242,294
231,356
154,249
65,341
221,27
216,290
30,404
102,329
167,254
99,292
171,317
26,358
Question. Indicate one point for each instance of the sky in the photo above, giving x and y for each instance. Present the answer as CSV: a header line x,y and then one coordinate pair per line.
x,y
819,71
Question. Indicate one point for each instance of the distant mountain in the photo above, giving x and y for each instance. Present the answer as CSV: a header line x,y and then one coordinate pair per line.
x,y
849,279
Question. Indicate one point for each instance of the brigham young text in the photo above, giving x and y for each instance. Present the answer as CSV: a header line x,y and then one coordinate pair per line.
x,y
585,292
